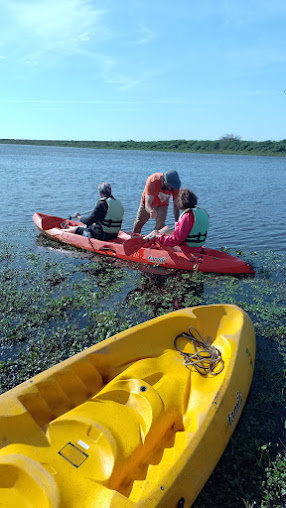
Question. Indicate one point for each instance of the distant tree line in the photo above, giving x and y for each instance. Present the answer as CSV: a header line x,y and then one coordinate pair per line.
x,y
228,144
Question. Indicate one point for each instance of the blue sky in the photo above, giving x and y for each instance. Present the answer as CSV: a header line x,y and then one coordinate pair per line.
x,y
143,69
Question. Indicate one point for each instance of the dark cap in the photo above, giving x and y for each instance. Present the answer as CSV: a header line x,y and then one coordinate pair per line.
x,y
172,179
105,189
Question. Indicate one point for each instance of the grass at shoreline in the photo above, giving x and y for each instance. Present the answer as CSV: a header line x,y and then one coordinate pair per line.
x,y
227,145
56,303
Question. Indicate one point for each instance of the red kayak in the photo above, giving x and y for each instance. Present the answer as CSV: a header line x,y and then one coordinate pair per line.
x,y
136,249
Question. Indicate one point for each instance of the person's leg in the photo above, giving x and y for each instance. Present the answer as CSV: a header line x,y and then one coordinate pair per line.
x,y
79,230
91,232
86,233
141,218
95,231
161,216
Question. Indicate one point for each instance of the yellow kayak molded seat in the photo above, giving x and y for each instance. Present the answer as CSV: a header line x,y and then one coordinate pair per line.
x,y
25,483
121,428
48,399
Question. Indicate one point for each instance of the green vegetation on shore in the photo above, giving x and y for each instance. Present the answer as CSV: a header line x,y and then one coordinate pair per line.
x,y
228,144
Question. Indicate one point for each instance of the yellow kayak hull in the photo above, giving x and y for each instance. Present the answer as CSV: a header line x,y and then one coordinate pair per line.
x,y
126,423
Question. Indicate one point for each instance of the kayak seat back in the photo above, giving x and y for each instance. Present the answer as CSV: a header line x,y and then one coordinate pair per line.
x,y
24,482
24,418
149,415
113,437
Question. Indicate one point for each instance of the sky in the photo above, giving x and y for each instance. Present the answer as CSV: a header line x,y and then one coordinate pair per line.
x,y
142,69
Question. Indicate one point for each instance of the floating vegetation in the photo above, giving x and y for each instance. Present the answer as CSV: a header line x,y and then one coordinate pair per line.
x,y
56,302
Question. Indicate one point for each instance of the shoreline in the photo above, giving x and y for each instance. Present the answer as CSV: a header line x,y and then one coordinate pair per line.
x,y
224,146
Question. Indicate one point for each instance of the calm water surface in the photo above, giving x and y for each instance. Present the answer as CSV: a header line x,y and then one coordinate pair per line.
x,y
244,195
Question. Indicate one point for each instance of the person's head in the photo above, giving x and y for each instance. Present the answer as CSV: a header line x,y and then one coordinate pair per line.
x,y
172,180
104,189
186,199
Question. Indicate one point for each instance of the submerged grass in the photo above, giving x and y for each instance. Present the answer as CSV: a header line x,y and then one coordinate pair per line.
x,y
54,304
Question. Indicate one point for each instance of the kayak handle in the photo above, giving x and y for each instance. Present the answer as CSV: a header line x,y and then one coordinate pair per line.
x,y
109,249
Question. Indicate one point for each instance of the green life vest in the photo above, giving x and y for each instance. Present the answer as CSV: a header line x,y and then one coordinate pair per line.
x,y
113,220
197,235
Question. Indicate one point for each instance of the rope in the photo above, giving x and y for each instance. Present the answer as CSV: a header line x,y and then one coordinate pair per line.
x,y
206,359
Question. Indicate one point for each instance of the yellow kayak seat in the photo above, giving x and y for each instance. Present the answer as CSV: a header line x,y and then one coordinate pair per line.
x,y
123,428
25,483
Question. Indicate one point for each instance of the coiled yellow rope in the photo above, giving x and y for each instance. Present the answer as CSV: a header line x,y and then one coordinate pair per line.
x,y
206,357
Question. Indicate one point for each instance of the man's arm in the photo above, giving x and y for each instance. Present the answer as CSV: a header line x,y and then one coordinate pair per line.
x,y
148,206
176,210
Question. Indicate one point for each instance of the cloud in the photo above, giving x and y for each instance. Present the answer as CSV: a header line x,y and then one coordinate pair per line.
x,y
43,33
50,25
145,35
123,82
111,74
46,34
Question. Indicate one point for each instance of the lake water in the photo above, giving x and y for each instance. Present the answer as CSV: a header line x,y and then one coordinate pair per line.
x,y
244,195
49,308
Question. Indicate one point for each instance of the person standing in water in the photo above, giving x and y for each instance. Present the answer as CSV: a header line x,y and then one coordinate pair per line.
x,y
155,199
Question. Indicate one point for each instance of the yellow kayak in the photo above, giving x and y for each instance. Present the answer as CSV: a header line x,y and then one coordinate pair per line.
x,y
138,420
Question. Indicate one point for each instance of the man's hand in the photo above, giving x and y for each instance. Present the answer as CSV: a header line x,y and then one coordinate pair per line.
x,y
151,235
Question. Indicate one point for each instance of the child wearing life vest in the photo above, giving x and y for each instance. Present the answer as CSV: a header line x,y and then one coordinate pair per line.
x,y
190,231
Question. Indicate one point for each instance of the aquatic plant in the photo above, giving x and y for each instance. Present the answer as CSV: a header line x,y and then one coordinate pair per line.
x,y
53,305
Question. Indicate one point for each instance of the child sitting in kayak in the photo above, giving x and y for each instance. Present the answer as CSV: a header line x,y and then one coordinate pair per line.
x,y
104,223
190,231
